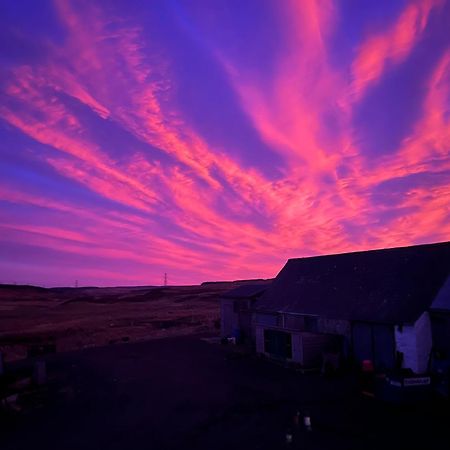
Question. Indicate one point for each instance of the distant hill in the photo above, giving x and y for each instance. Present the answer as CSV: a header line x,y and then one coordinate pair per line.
x,y
22,287
252,281
29,287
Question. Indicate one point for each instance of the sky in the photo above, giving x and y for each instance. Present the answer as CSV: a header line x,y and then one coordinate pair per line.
x,y
215,139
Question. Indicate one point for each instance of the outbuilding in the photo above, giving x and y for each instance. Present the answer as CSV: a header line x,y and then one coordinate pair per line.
x,y
235,310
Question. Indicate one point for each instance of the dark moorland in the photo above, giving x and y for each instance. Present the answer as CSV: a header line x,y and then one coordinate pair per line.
x,y
76,318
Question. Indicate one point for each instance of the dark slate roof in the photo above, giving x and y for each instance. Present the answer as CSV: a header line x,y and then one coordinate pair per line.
x,y
246,291
387,286
442,301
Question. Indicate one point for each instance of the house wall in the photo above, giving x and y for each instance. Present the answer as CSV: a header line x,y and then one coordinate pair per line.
x,y
424,342
307,348
313,346
299,322
259,337
245,325
259,321
415,342
335,326
270,319
310,335
297,348
294,322
405,342
235,315
228,318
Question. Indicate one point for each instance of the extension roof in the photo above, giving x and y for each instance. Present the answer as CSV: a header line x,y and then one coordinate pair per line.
x,y
442,301
246,291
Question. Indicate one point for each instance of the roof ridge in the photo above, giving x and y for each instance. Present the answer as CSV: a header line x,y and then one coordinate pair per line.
x,y
375,250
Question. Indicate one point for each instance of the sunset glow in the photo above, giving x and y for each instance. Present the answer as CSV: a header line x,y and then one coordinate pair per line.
x,y
215,140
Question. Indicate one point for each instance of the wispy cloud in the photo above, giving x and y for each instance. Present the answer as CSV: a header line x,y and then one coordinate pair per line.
x,y
391,46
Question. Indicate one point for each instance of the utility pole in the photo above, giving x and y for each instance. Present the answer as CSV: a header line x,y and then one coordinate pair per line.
x,y
165,279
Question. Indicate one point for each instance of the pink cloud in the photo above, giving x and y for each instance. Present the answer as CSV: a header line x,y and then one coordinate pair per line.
x,y
392,46
426,149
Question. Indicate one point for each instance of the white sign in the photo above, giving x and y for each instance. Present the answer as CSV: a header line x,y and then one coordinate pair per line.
x,y
420,381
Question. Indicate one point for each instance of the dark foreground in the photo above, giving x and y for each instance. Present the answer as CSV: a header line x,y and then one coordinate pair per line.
x,y
185,393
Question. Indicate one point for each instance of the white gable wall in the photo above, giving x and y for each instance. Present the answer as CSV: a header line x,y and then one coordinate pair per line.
x,y
415,342
405,342
424,341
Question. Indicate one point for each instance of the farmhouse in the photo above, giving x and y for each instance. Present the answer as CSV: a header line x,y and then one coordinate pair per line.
x,y
385,306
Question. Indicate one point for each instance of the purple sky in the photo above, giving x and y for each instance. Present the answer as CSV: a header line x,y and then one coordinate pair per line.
x,y
213,140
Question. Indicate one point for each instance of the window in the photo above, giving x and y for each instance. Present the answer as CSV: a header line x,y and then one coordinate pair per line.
x,y
311,324
278,343
280,322
240,305
294,322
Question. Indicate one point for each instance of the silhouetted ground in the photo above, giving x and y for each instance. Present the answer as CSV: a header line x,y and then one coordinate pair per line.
x,y
78,318
184,393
